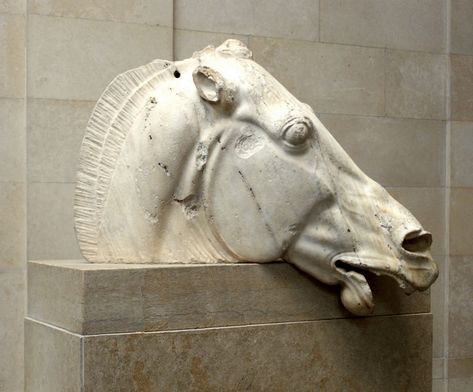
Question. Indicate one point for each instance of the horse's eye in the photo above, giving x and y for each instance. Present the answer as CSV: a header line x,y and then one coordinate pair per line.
x,y
296,134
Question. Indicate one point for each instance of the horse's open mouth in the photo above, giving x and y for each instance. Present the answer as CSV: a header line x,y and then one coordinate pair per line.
x,y
356,293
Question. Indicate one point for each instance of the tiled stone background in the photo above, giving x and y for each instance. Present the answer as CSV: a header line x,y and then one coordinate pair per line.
x,y
12,192
56,56
392,80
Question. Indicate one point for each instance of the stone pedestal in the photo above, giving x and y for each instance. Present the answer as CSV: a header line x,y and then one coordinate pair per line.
x,y
245,327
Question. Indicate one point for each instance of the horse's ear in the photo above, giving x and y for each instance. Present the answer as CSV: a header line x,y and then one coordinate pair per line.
x,y
209,83
212,87
235,48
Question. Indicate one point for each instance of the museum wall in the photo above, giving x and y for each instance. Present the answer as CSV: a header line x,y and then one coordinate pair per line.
x,y
12,192
379,74
375,72
73,50
460,180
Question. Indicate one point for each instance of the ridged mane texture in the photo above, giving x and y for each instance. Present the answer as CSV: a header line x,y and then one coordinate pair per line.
x,y
111,119
218,162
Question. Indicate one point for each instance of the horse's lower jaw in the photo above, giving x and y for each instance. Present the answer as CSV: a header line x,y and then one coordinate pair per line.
x,y
356,293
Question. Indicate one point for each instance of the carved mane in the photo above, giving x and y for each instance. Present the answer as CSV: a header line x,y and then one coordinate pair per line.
x,y
219,162
112,118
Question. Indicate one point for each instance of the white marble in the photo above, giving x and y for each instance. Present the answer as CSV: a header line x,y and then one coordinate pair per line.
x,y
210,159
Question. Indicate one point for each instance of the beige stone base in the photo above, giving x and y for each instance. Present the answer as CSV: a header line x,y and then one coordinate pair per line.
x,y
234,345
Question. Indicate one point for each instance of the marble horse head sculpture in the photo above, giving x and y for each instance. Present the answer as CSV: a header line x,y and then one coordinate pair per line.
x,y
211,160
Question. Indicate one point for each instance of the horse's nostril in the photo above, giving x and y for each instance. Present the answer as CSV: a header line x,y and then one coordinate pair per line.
x,y
417,241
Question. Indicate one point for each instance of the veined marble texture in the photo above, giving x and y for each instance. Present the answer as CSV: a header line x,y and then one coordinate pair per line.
x,y
212,160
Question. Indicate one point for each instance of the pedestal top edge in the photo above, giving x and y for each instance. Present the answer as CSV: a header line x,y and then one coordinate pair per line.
x,y
83,265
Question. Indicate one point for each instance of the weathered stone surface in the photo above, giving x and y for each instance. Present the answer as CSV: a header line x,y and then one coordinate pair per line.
x,y
400,24
55,132
333,78
186,42
12,228
12,139
438,368
375,354
461,158
460,307
153,12
12,7
210,159
439,310
439,385
415,84
221,327
55,295
52,359
96,51
50,221
105,298
390,353
263,17
461,15
12,312
395,145
12,55
460,384
460,367
461,221
461,87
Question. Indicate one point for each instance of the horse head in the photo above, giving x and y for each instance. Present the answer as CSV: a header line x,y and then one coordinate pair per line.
x,y
211,159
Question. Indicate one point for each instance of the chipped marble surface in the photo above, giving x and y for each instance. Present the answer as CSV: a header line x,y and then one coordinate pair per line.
x,y
242,172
